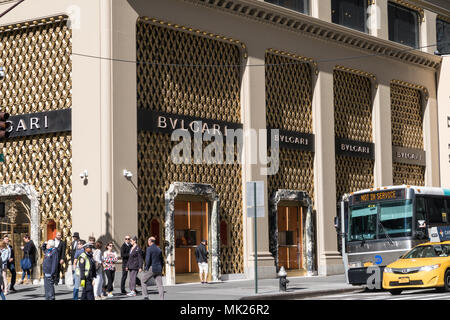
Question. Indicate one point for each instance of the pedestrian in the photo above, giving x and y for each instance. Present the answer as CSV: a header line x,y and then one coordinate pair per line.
x,y
98,259
134,265
73,250
86,265
109,265
201,254
91,240
125,254
76,269
60,246
153,268
50,269
29,258
11,264
5,254
2,288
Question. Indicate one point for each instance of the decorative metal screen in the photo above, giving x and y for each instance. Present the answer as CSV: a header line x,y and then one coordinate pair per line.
x,y
289,107
407,130
37,58
352,121
185,71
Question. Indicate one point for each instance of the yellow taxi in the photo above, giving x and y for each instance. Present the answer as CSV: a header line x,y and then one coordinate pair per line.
x,y
425,266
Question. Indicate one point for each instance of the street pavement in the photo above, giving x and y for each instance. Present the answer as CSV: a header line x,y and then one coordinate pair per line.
x,y
428,294
268,289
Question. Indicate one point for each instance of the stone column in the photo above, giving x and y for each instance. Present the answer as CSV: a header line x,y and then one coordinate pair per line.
x,y
382,134
254,117
321,9
377,21
329,259
428,36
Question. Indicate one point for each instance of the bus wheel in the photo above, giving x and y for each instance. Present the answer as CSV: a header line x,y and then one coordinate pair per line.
x,y
395,292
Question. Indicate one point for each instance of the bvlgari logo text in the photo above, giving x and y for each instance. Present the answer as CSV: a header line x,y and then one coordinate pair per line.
x,y
173,123
40,123
408,156
355,148
33,123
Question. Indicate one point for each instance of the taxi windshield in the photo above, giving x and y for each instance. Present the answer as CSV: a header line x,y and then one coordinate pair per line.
x,y
428,251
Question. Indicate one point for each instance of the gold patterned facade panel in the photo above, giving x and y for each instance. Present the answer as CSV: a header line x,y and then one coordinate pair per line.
x,y
157,172
408,174
44,162
352,106
37,61
288,93
353,174
406,116
184,73
296,172
188,72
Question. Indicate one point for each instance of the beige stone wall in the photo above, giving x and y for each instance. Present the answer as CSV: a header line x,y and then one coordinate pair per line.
x,y
104,103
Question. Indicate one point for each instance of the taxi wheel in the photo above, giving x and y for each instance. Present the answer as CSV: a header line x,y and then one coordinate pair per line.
x,y
395,292
447,280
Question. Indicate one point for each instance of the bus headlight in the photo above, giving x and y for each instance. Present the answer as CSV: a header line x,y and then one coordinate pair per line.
x,y
429,268
388,270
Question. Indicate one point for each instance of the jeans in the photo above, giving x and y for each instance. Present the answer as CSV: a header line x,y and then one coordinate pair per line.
x,y
28,272
2,295
76,285
12,269
49,287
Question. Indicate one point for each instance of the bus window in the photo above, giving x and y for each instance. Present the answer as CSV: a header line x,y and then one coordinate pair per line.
x,y
420,209
396,219
435,208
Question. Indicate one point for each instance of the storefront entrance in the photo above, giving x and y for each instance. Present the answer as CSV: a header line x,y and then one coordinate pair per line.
x,y
15,223
290,239
191,226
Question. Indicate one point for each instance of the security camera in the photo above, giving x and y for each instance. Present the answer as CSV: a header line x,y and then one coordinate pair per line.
x,y
84,175
127,174
2,73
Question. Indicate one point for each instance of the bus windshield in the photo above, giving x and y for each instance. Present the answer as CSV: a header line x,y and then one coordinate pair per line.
x,y
384,219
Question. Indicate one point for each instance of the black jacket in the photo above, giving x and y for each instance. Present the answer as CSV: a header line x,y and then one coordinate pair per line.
x,y
51,261
201,254
135,260
61,248
125,254
154,259
73,251
12,255
29,249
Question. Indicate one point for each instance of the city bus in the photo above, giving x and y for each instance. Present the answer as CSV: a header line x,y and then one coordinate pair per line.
x,y
377,226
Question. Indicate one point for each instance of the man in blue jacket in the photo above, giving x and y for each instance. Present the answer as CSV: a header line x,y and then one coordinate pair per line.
x,y
49,268
153,268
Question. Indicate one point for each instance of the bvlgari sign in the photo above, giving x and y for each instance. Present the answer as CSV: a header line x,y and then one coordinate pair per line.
x,y
408,156
293,140
355,148
40,123
163,122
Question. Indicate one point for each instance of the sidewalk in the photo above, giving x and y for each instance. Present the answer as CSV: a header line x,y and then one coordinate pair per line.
x,y
268,289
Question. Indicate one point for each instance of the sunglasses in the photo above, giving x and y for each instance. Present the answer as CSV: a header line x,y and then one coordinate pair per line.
x,y
127,239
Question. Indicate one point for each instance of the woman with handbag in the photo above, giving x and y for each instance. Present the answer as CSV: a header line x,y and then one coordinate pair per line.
x,y
5,254
27,262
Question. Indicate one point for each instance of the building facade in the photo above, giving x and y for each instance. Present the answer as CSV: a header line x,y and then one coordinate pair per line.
x,y
98,89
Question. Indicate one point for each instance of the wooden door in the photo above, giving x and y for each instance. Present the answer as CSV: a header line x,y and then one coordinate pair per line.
x,y
191,226
290,239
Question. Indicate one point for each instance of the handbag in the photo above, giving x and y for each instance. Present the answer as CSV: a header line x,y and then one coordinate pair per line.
x,y
25,263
